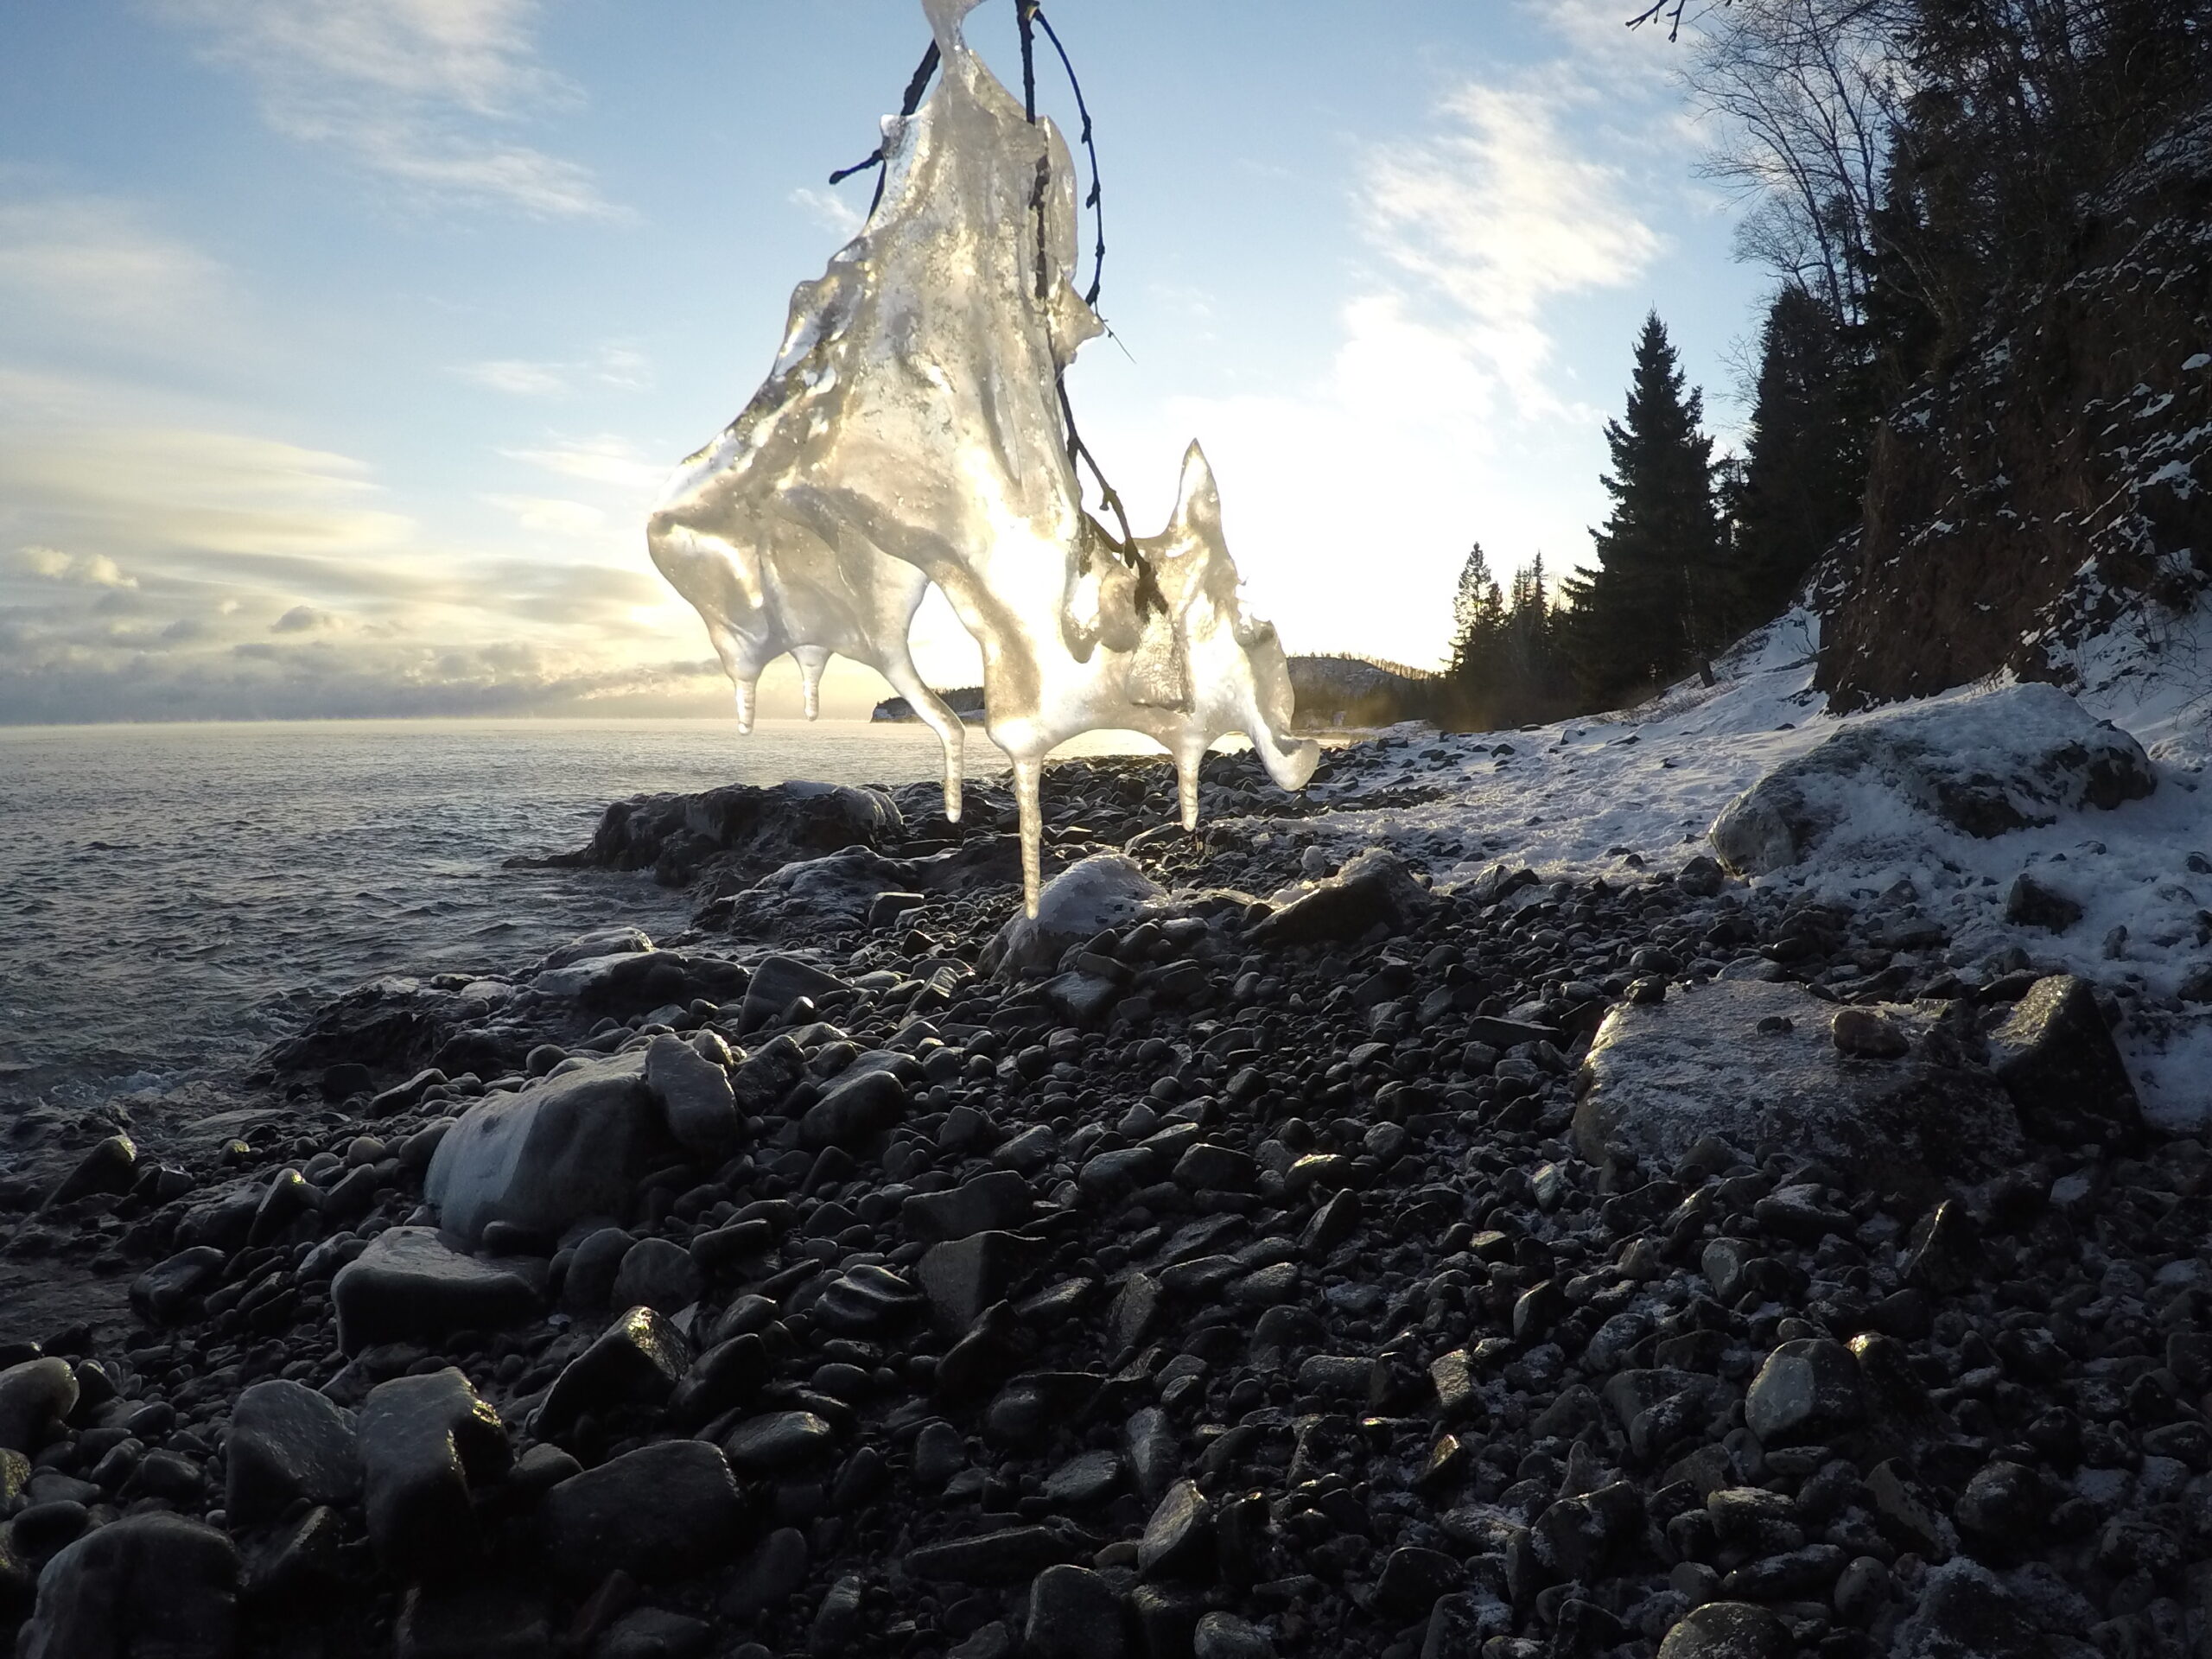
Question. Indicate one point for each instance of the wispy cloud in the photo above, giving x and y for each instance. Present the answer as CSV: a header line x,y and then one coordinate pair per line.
x,y
420,93
599,460
830,211
1499,212
97,264
615,367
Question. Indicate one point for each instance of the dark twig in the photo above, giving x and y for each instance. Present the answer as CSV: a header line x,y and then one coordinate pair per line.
x,y
916,86
1094,200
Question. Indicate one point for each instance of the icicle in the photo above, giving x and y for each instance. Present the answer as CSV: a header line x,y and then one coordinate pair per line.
x,y
1027,774
745,690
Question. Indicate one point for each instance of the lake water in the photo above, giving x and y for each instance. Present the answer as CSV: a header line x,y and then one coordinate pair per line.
x,y
173,897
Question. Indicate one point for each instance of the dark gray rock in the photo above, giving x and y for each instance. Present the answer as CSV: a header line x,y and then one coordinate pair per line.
x,y
1224,1635
997,1200
35,1396
409,1287
165,1292
777,982
635,1365
769,1576
474,1621
425,1440
111,1167
553,1153
778,1441
1375,889
589,1286
695,1096
727,1375
2055,1056
1177,1541
1074,1614
659,1273
963,1276
837,1620
1087,1478
288,1442
157,1586
854,1111
662,1512
1728,1629
2029,903
654,1633
1006,1555
1805,1390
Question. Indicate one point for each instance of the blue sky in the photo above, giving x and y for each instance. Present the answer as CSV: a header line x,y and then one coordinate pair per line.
x,y
343,343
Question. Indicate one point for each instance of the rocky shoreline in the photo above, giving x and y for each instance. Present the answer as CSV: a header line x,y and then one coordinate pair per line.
x,y
1213,1267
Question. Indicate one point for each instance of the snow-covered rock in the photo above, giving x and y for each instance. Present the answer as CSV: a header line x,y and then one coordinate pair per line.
x,y
1105,890
1755,1063
2012,756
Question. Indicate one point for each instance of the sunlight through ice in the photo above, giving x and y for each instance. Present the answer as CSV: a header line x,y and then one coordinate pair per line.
x,y
911,433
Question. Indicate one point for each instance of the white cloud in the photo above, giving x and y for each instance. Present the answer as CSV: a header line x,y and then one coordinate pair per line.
x,y
551,516
1499,214
516,378
94,262
617,367
412,89
831,212
78,569
303,618
599,460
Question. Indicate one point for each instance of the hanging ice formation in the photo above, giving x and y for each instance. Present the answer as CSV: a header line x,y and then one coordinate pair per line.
x,y
910,432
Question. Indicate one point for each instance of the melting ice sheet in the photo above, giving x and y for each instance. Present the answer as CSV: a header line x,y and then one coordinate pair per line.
x,y
911,433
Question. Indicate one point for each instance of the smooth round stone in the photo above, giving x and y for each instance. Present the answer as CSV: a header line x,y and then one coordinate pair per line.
x,y
780,1441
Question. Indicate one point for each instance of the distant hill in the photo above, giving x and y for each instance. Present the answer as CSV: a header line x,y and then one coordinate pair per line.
x,y
1334,693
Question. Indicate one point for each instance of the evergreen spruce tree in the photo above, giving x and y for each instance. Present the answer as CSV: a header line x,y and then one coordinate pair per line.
x,y
1660,599
1805,462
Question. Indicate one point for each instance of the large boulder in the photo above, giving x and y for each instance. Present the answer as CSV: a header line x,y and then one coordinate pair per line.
x,y
1375,889
839,889
572,1145
625,981
409,1285
1105,890
1983,763
722,839
2055,1056
151,1585
1752,1063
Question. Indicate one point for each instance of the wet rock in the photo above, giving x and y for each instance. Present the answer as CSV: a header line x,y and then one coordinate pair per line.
x,y
1006,1555
165,1292
778,1441
1178,1541
777,982
288,1443
1074,1614
695,1096
1224,1635
662,1512
767,1577
479,1622
111,1167
550,1155
635,1364
35,1396
1805,1389
2002,1509
999,1199
409,1287
589,1287
2055,1056
655,1633
1868,1035
153,1585
854,1111
657,1273
964,1276
1375,889
1088,1479
425,1441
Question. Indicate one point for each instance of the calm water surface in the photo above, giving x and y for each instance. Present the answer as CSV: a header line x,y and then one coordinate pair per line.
x,y
173,897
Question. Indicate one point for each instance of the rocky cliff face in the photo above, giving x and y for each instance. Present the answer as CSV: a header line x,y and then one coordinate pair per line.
x,y
2055,485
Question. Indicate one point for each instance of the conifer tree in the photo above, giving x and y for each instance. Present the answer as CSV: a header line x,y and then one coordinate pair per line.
x,y
1659,600
1805,459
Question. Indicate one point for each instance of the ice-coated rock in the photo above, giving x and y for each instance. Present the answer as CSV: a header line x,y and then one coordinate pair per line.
x,y
695,1096
570,1146
1661,1076
910,432
1105,890
2009,758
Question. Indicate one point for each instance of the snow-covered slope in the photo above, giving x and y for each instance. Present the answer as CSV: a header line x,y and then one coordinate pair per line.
x,y
1623,795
